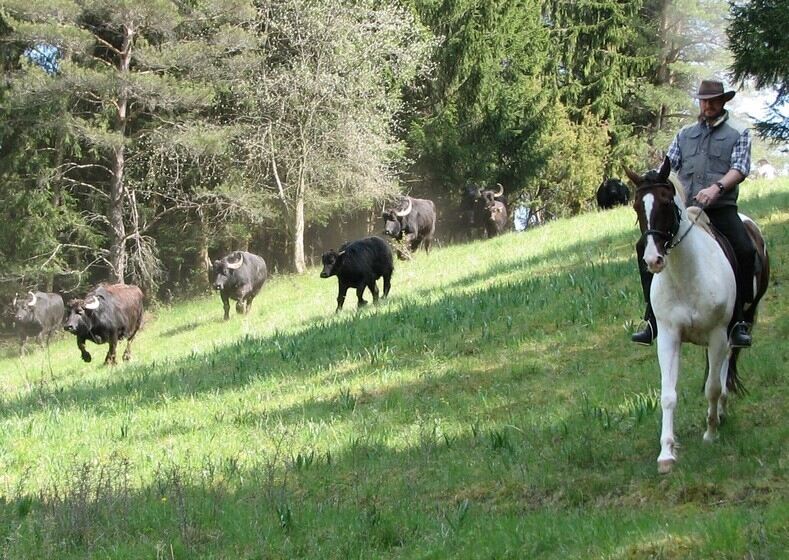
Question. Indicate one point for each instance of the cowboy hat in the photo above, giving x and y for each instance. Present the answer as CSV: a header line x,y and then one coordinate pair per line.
x,y
710,89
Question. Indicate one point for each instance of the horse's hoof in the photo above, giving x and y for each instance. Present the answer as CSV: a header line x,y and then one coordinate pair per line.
x,y
664,466
710,438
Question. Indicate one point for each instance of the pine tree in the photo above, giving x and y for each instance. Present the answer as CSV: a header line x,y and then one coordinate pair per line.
x,y
760,44
129,77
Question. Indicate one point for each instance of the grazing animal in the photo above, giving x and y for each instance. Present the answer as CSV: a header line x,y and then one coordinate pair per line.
x,y
416,222
107,314
496,221
765,170
38,314
359,264
239,276
692,294
612,192
478,202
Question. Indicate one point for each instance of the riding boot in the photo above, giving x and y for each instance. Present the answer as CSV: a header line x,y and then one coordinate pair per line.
x,y
739,335
649,333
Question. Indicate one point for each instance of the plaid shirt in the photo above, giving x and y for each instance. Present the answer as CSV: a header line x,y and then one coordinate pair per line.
x,y
740,155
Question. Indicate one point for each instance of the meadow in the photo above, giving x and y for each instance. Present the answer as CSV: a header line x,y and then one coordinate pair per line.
x,y
492,407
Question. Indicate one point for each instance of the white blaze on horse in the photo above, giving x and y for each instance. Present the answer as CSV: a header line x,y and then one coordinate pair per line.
x,y
692,295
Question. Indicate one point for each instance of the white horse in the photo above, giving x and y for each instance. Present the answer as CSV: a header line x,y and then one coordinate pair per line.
x,y
692,294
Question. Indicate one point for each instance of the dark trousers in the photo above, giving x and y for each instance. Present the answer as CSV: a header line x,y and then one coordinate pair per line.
x,y
726,220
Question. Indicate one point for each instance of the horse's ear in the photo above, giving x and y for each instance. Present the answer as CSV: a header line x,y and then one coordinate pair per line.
x,y
665,170
635,179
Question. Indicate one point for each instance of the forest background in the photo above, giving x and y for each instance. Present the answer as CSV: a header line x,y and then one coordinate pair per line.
x,y
141,139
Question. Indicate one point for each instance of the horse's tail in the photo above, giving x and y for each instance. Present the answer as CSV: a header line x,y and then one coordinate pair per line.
x,y
733,381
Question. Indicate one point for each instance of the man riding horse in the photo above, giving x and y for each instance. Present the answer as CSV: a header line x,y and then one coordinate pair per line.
x,y
711,158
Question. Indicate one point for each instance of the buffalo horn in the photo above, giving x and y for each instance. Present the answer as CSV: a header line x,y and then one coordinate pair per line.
x,y
92,303
237,264
501,190
32,302
407,211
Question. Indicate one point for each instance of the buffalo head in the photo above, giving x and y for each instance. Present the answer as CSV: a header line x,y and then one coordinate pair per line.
x,y
24,307
489,196
393,220
223,269
331,260
80,316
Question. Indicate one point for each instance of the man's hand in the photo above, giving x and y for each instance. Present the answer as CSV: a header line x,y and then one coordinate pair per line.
x,y
708,195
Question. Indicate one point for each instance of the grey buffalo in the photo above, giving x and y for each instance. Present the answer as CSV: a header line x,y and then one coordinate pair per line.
x,y
37,314
239,276
486,210
416,223
358,265
496,218
107,314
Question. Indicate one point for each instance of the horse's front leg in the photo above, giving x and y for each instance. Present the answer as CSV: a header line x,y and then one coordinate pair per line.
x,y
668,347
715,387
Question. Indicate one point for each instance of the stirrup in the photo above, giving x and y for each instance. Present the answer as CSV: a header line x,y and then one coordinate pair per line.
x,y
645,336
739,337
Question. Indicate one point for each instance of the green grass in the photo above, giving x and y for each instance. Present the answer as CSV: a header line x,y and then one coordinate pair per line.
x,y
493,407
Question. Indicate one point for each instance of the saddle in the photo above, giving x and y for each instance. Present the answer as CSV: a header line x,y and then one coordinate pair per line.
x,y
700,218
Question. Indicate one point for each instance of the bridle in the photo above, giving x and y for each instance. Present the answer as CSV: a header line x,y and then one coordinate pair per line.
x,y
670,235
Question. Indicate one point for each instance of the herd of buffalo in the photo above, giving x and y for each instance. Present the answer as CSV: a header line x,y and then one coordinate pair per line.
x,y
112,312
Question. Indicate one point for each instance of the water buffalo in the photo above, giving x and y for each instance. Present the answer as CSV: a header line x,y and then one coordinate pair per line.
x,y
38,314
496,219
612,192
239,276
359,264
108,313
478,203
416,222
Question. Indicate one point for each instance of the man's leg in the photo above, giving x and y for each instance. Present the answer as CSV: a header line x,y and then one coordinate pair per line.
x,y
727,221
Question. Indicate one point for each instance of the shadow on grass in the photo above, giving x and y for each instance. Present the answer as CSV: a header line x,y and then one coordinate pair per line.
x,y
507,487
557,481
400,331
186,327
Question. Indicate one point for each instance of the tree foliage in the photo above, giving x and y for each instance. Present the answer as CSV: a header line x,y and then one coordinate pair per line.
x,y
760,45
134,122
141,139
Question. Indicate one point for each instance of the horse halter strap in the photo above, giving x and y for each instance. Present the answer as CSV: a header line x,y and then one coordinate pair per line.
x,y
671,234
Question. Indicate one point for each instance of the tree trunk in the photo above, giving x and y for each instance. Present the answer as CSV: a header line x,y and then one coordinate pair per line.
x,y
115,211
115,215
298,233
205,259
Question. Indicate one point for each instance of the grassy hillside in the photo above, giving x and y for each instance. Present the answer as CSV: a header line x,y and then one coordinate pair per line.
x,y
493,407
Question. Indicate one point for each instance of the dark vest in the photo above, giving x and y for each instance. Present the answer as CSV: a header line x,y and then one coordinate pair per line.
x,y
706,157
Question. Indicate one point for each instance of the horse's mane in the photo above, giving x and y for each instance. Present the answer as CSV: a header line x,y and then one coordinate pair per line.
x,y
679,188
696,214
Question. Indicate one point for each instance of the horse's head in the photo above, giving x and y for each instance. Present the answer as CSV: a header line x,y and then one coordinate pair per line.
x,y
658,214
